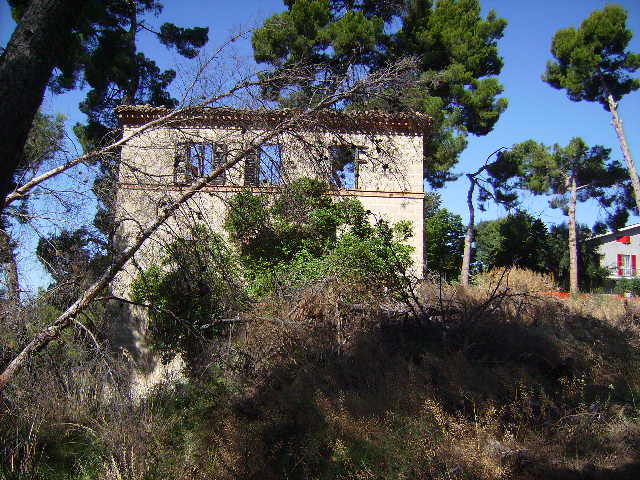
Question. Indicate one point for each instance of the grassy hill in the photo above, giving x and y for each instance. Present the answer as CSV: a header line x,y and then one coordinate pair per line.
x,y
338,382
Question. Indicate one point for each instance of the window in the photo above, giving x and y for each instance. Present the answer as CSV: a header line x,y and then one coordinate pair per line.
x,y
197,160
270,172
265,168
218,159
626,265
344,166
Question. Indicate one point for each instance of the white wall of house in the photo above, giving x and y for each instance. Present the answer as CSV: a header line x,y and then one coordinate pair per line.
x,y
612,252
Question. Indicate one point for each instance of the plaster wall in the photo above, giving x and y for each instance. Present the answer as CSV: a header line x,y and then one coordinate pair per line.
x,y
390,182
609,248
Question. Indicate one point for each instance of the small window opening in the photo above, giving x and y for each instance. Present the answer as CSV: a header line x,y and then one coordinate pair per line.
x,y
344,166
270,165
198,160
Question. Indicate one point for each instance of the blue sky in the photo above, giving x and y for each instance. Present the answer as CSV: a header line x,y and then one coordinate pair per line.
x,y
535,110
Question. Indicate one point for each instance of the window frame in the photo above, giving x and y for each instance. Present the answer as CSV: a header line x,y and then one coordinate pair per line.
x,y
257,174
274,168
334,162
188,166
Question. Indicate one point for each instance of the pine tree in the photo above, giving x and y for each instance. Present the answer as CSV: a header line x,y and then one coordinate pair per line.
x,y
43,142
571,174
455,81
119,74
592,64
102,52
518,239
41,41
495,181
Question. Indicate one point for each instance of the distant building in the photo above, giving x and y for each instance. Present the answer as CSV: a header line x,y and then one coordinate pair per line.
x,y
619,251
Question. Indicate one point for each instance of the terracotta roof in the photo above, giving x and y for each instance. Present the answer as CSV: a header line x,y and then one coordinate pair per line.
x,y
323,120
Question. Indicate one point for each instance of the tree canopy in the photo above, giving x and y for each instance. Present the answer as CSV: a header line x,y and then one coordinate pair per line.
x,y
592,275
572,174
455,81
592,62
550,170
518,239
444,243
102,52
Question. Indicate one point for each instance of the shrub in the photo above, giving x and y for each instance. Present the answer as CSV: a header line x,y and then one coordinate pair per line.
x,y
519,280
628,285
302,235
197,284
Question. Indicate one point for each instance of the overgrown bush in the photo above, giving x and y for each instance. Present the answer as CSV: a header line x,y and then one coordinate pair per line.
x,y
489,386
197,284
628,285
520,280
282,244
301,236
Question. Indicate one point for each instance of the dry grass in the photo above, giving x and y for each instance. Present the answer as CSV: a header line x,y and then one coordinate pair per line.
x,y
501,384
516,279
339,382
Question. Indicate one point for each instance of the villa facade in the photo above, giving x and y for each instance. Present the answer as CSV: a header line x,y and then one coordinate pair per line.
x,y
619,251
373,156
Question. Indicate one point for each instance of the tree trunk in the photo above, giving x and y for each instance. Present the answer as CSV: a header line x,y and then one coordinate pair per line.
x,y
34,49
468,238
129,97
8,258
573,236
617,124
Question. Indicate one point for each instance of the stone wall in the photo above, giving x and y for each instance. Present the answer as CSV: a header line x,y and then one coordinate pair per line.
x,y
390,181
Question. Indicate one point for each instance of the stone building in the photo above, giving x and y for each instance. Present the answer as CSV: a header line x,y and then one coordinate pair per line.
x,y
373,156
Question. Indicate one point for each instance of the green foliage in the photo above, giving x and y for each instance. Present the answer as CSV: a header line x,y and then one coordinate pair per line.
x,y
592,275
517,239
285,242
432,203
591,61
497,181
103,53
44,141
628,285
444,243
197,283
374,253
71,260
455,80
549,170
302,235
524,241
301,217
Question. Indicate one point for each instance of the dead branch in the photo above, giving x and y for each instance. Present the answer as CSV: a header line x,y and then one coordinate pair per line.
x,y
370,85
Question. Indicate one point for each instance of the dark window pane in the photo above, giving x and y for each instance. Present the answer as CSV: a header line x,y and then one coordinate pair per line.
x,y
344,166
251,169
270,172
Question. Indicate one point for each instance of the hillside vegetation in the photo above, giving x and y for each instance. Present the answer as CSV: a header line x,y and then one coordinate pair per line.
x,y
338,380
